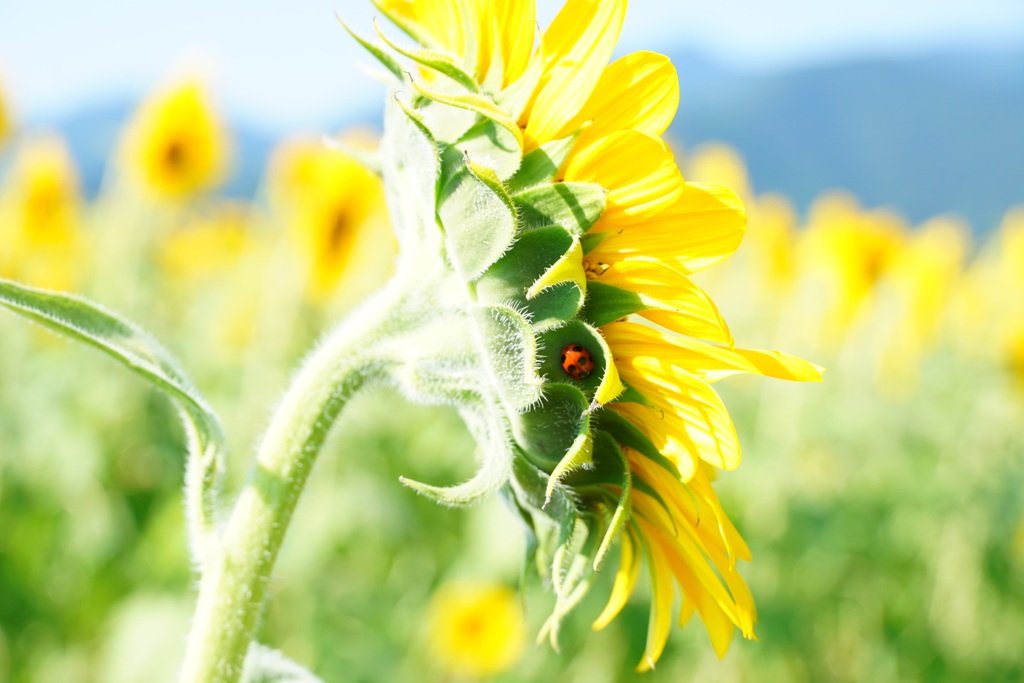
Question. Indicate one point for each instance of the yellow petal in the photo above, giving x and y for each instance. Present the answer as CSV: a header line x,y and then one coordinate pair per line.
x,y
706,361
692,413
662,596
704,225
639,91
578,44
625,582
517,23
636,169
675,301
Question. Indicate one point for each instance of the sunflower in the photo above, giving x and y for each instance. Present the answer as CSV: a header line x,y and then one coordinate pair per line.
x,y
476,629
329,202
6,122
582,122
41,240
176,145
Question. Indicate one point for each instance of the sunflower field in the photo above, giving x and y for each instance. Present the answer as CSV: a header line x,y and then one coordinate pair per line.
x,y
477,351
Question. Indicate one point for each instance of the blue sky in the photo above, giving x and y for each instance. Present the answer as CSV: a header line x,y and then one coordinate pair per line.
x,y
284,64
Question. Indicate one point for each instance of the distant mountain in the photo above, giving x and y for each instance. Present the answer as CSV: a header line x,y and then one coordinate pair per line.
x,y
928,135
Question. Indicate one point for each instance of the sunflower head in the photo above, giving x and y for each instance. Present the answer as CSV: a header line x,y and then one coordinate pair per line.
x,y
476,629
550,237
329,202
6,118
176,145
42,234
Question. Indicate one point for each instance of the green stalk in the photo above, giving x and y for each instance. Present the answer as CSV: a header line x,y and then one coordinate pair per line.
x,y
234,581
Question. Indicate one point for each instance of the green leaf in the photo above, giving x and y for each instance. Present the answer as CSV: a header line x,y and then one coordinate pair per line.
x,y
627,434
607,303
574,206
478,223
542,164
411,165
548,430
526,261
87,322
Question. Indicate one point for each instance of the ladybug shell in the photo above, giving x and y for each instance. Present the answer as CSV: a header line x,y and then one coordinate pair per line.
x,y
577,361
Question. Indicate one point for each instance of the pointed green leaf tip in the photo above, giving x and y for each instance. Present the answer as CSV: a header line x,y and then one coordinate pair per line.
x,y
432,59
579,456
569,268
383,57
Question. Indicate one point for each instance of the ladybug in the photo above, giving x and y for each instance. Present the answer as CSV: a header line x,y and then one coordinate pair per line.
x,y
577,361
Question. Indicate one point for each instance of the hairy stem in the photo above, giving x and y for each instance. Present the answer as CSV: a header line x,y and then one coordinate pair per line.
x,y
235,576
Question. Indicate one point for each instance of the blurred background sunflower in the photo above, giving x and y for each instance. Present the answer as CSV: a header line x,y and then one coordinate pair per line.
x,y
169,162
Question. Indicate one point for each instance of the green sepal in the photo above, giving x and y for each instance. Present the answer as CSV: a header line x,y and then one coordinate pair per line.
x,y
624,507
609,468
579,456
603,384
389,62
574,206
547,431
477,104
529,528
266,665
574,564
512,352
491,145
411,162
432,59
91,324
608,303
542,164
526,261
495,469
478,223
568,268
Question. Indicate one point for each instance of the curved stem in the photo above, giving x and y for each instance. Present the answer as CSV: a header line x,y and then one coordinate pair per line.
x,y
234,581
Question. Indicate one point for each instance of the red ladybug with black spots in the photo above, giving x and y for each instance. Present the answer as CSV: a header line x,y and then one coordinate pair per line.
x,y
577,361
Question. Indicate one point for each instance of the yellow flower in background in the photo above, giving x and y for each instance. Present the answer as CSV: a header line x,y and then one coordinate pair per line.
x,y
209,245
330,203
476,629
41,239
988,310
655,231
177,146
844,253
917,293
6,118
720,164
